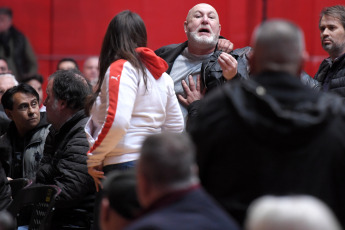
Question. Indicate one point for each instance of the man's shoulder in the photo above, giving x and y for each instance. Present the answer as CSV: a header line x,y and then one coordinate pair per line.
x,y
170,48
196,210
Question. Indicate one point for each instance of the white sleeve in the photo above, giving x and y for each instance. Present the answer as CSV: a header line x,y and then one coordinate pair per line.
x,y
174,121
119,90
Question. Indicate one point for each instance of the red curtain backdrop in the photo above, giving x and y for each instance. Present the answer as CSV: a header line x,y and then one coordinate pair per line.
x,y
75,28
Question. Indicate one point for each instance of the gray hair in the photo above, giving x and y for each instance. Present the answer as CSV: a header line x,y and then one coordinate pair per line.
x,y
11,76
280,45
168,161
290,212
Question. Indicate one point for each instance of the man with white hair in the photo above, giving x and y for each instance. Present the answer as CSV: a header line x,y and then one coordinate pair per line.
x,y
290,213
7,81
272,134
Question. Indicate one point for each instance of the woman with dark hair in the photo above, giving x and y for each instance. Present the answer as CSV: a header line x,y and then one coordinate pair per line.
x,y
135,98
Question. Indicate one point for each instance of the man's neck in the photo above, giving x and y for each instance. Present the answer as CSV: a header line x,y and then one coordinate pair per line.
x,y
336,55
200,51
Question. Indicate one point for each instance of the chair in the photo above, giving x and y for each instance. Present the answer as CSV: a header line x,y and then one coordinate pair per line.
x,y
18,184
41,198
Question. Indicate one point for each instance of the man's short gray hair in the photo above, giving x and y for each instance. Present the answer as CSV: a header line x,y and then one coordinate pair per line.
x,y
168,160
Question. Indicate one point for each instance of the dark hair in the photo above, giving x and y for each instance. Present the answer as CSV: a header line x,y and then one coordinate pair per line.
x,y
72,87
7,98
120,189
126,31
166,159
36,77
337,11
66,60
7,11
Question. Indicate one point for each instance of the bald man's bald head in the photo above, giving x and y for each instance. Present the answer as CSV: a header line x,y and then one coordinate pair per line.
x,y
278,46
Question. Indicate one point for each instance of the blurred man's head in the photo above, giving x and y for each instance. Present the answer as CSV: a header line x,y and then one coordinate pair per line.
x,y
120,204
6,81
5,19
4,66
290,213
67,63
278,46
166,163
91,70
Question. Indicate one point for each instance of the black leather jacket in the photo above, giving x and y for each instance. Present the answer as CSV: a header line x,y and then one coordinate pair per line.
x,y
331,75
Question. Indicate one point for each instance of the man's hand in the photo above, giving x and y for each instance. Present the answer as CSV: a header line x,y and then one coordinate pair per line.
x,y
192,93
228,64
225,45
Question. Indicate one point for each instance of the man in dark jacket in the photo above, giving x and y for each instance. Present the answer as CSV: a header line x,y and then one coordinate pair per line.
x,y
15,47
169,191
5,189
23,143
64,160
271,134
202,28
331,73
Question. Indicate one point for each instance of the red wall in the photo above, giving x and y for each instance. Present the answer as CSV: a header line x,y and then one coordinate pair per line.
x,y
75,28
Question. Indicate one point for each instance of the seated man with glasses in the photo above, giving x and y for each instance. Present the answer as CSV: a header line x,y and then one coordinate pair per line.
x,y
23,143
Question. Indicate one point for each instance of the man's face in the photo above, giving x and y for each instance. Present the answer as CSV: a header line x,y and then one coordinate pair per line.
x,y
332,35
91,70
51,104
5,22
202,25
25,112
38,87
3,67
5,84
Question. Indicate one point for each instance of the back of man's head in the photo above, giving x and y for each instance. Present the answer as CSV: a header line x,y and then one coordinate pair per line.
x,y
337,11
71,86
167,161
7,98
278,46
290,213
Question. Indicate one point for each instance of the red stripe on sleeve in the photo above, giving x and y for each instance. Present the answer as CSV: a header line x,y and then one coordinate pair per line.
x,y
114,84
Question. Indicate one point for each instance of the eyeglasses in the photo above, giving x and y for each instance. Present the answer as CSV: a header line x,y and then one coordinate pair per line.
x,y
25,106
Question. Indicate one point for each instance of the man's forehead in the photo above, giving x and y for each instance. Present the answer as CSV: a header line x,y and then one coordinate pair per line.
x,y
330,19
21,97
6,81
203,7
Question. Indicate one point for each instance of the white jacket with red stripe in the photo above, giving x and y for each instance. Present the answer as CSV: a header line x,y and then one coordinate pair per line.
x,y
126,111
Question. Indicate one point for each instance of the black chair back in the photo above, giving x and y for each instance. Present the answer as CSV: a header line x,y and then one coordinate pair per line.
x,y
41,198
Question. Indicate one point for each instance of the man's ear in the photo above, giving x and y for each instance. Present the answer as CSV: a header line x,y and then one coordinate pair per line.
x,y
185,26
105,211
62,104
8,113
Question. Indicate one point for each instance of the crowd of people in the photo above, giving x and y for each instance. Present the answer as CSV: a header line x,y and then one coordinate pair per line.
x,y
193,135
